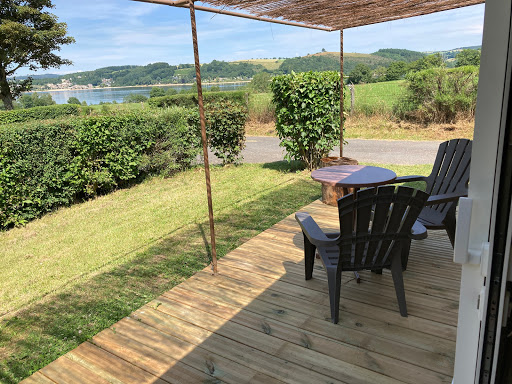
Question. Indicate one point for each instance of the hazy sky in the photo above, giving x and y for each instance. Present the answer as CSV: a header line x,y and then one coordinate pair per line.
x,y
120,32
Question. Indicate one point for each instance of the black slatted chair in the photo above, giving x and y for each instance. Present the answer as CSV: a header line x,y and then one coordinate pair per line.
x,y
376,228
446,184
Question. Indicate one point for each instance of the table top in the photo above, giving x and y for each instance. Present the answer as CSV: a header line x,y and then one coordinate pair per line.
x,y
353,176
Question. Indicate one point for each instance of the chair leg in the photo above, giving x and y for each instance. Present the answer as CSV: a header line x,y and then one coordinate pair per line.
x,y
309,257
396,272
405,253
450,230
334,282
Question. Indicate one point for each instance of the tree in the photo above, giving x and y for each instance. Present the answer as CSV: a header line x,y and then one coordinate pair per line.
x,y
468,57
28,37
360,74
396,70
36,100
430,61
135,98
157,92
73,100
261,82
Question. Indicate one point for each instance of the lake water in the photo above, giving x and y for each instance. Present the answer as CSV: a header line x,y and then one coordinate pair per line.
x,y
97,95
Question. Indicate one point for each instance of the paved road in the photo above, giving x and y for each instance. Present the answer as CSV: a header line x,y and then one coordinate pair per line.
x,y
267,149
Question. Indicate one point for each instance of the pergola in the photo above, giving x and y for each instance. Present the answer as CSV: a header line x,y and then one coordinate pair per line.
x,y
325,15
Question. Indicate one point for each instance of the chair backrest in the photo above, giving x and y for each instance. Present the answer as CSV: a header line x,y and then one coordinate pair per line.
x,y
451,170
376,224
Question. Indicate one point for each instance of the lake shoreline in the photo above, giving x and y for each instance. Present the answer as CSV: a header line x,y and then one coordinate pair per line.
x,y
137,86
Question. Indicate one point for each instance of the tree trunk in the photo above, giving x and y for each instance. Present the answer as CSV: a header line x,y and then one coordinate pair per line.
x,y
5,91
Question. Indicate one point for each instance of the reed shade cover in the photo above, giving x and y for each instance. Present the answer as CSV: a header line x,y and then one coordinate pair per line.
x,y
341,14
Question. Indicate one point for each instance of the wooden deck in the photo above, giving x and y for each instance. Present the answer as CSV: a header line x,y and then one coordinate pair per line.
x,y
259,321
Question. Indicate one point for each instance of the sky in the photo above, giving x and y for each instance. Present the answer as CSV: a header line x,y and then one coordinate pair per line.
x,y
122,32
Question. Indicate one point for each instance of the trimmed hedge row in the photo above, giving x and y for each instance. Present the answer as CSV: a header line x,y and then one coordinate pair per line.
x,y
47,165
38,113
190,99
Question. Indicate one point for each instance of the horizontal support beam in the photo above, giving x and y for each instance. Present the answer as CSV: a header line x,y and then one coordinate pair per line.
x,y
183,4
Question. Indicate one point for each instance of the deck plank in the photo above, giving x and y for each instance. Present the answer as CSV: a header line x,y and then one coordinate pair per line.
x,y
260,321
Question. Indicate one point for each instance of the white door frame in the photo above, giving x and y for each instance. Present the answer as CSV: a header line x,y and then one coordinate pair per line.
x,y
485,164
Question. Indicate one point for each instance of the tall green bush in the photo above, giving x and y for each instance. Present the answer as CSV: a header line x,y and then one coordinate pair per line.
x,y
226,129
307,114
47,165
38,113
439,95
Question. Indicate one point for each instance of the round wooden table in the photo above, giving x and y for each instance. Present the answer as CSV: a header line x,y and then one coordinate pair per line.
x,y
337,180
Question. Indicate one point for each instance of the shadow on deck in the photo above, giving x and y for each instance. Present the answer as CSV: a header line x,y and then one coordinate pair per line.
x,y
259,321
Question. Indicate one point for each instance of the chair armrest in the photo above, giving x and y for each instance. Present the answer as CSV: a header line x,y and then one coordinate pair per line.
x,y
418,231
312,231
445,198
406,179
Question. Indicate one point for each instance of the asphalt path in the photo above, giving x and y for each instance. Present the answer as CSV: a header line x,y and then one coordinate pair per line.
x,y
266,149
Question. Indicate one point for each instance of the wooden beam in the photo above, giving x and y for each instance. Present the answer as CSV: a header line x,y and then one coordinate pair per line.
x,y
182,4
203,134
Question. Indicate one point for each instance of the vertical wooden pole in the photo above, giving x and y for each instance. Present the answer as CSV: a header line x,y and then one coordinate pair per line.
x,y
203,134
341,92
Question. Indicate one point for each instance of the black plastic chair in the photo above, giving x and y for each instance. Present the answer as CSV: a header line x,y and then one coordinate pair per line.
x,y
376,228
446,184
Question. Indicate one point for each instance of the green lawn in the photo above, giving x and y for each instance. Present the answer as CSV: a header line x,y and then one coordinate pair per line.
x,y
77,271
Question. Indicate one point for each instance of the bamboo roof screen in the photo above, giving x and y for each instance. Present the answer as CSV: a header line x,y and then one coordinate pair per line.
x,y
340,14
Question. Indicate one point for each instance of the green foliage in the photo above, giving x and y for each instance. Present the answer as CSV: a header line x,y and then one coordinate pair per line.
x,y
74,100
399,54
225,128
307,114
135,98
468,57
396,71
29,36
189,100
261,82
47,165
310,63
157,92
217,69
35,100
38,113
430,61
360,74
440,95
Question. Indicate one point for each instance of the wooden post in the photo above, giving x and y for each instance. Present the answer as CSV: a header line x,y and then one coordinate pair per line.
x,y
203,134
341,92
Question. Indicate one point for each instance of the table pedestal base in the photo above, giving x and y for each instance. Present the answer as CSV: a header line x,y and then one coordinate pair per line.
x,y
330,194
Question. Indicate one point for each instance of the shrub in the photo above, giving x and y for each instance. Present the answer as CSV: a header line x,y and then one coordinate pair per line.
x,y
47,165
440,95
73,100
190,99
225,122
307,114
135,98
38,113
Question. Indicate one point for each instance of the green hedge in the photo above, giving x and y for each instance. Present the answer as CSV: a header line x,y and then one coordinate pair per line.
x,y
47,165
38,113
307,114
190,99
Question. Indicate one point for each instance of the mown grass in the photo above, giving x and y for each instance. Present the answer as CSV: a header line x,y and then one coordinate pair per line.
x,y
83,268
